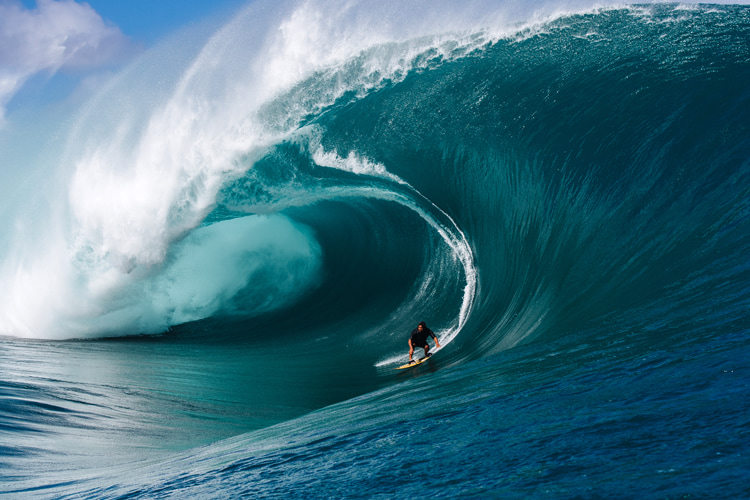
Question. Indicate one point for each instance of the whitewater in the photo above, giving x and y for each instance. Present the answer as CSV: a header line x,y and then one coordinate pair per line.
x,y
210,270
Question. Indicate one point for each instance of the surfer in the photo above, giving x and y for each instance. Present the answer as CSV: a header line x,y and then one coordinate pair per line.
x,y
418,338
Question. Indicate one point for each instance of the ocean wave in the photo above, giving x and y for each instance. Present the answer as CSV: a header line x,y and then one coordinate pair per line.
x,y
563,200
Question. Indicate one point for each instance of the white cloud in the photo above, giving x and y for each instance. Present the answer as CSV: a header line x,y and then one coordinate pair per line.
x,y
55,35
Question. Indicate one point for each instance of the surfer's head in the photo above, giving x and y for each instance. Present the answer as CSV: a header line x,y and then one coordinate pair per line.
x,y
422,325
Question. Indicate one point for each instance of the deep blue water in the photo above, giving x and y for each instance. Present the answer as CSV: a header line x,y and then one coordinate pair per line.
x,y
237,244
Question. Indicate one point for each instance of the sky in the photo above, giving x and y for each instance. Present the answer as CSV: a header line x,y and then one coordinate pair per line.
x,y
149,20
50,48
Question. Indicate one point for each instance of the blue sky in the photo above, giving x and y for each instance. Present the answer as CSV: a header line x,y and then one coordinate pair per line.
x,y
149,20
49,49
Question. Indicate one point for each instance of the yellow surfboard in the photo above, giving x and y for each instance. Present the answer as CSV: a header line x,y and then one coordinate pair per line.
x,y
414,363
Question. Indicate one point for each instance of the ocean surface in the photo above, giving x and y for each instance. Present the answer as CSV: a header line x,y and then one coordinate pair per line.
x,y
209,272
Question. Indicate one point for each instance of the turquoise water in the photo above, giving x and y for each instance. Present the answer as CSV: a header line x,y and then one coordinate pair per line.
x,y
237,255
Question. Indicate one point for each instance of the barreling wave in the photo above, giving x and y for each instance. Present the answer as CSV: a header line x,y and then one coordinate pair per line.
x,y
511,144
140,174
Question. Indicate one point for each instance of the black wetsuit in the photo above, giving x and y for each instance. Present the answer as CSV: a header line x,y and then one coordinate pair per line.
x,y
419,339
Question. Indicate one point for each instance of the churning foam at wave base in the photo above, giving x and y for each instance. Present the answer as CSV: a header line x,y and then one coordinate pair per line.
x,y
241,266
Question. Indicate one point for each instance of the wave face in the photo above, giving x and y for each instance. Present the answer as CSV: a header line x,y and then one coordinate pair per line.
x,y
256,226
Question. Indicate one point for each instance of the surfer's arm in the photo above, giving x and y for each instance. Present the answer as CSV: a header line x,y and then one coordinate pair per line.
x,y
411,349
437,344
